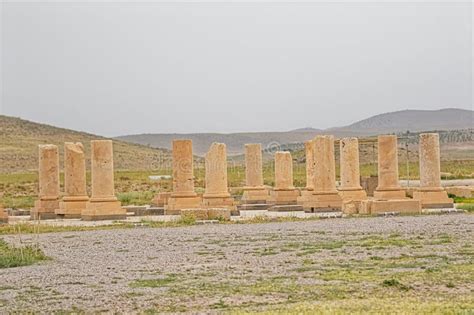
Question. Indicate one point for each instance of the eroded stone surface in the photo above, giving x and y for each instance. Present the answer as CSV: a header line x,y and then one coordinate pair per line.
x,y
48,172
75,191
103,204
350,188
388,186
254,189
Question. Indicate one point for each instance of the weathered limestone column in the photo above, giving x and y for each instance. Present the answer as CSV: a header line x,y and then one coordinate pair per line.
x,y
254,190
75,199
325,196
350,188
309,152
283,171
217,193
388,187
183,195
389,195
309,155
431,193
103,205
284,193
48,201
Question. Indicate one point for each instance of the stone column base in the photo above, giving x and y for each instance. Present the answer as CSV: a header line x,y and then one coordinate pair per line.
x,y
304,195
258,195
177,203
404,206
323,202
390,194
72,208
45,209
220,202
161,199
356,194
433,199
283,197
104,210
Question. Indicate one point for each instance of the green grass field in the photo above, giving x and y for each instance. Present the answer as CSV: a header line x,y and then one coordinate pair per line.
x,y
135,187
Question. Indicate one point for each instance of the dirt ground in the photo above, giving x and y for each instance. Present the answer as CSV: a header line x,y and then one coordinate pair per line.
x,y
360,265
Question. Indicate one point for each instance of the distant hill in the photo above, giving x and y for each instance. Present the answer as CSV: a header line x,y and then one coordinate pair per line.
x,y
235,141
412,120
395,122
19,140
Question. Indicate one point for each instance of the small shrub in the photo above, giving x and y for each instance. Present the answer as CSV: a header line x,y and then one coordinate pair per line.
x,y
11,256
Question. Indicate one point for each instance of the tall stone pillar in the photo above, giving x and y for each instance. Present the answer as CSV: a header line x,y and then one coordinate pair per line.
x,y
217,193
309,152
254,190
389,195
309,156
183,195
388,187
283,197
431,193
350,188
75,198
325,196
103,204
48,202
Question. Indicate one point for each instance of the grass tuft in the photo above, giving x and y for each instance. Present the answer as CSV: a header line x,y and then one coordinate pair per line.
x,y
11,256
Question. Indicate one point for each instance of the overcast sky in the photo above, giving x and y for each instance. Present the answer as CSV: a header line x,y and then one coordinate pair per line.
x,y
116,68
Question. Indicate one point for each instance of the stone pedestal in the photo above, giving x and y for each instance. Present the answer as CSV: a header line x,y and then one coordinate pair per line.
x,y
254,191
3,215
183,195
325,196
431,193
350,188
103,205
217,193
284,194
388,186
48,202
75,198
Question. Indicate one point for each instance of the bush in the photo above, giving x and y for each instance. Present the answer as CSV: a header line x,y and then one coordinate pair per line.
x,y
11,256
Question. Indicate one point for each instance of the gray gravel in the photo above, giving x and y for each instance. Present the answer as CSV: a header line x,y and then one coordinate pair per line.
x,y
94,271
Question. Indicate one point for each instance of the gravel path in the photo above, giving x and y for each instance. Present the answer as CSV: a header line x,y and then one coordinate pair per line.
x,y
107,270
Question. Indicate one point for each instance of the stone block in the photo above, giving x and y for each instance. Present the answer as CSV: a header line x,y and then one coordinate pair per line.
x,y
460,191
161,199
285,208
433,199
45,209
402,206
103,210
283,197
197,214
323,203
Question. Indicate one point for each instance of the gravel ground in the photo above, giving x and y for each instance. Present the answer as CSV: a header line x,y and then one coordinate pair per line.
x,y
199,268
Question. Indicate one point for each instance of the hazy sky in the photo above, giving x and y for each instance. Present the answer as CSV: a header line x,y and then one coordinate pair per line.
x,y
116,68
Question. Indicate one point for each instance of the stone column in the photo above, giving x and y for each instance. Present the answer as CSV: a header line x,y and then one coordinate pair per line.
x,y
325,196
103,204
254,190
216,171
325,165
253,166
431,193
350,188
217,193
388,186
283,171
183,195
75,199
284,195
48,201
309,151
